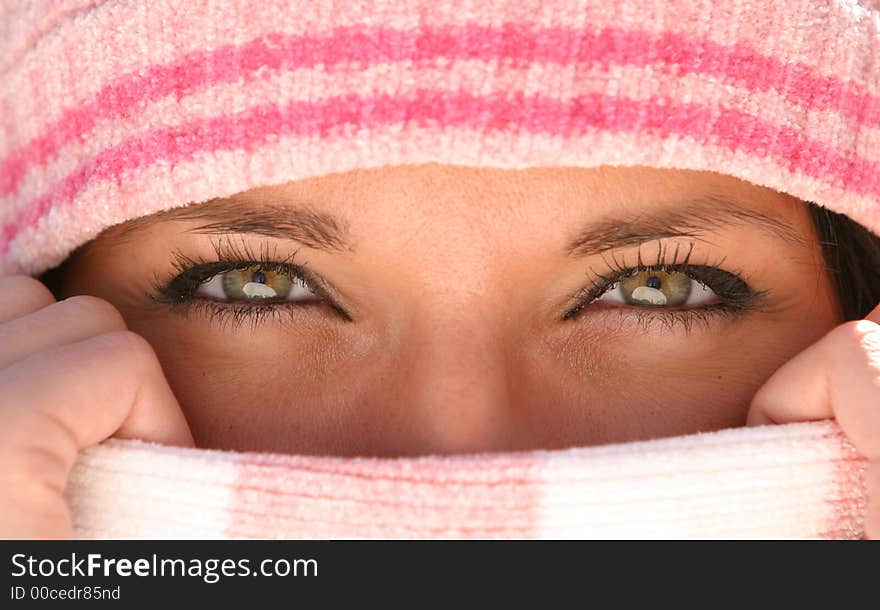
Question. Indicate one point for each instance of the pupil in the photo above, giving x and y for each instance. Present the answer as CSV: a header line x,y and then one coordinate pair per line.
x,y
259,277
653,282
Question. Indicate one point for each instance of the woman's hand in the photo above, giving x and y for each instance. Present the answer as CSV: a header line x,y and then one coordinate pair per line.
x,y
71,375
839,377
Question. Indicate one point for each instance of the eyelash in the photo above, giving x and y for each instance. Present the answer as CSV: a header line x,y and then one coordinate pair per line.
x,y
179,292
735,294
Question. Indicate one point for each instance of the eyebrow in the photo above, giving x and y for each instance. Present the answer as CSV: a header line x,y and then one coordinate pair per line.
x,y
323,231
315,229
691,218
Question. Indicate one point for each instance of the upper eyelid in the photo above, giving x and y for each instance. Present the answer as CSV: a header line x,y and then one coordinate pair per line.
x,y
616,275
226,250
672,254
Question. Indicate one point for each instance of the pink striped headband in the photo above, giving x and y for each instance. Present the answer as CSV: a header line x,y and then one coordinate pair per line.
x,y
114,109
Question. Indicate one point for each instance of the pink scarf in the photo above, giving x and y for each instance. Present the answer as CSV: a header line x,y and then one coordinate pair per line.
x,y
795,481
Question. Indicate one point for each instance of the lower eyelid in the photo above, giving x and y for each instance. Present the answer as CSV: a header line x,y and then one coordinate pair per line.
x,y
646,319
670,320
254,314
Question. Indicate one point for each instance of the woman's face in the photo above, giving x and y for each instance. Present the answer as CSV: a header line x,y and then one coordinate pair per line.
x,y
443,309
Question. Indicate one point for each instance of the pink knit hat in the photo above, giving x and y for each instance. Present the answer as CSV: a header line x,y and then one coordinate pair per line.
x,y
113,109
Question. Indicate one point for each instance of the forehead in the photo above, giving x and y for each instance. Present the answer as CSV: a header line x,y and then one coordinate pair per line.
x,y
581,210
563,193
604,183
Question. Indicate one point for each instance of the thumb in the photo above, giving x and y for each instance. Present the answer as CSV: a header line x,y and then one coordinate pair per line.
x,y
836,377
59,401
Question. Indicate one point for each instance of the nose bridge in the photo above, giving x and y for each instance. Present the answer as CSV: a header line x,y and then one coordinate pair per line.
x,y
456,384
454,375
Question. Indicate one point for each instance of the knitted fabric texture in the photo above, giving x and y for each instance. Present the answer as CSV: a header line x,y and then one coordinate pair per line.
x,y
795,481
111,110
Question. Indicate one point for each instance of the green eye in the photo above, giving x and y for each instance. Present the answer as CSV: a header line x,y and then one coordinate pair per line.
x,y
656,288
255,283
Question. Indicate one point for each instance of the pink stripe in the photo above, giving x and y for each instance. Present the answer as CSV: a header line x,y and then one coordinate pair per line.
x,y
517,42
663,117
849,500
492,496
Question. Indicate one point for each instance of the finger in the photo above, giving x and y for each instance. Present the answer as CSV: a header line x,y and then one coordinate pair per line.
x,y
59,401
839,377
874,316
21,295
60,323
